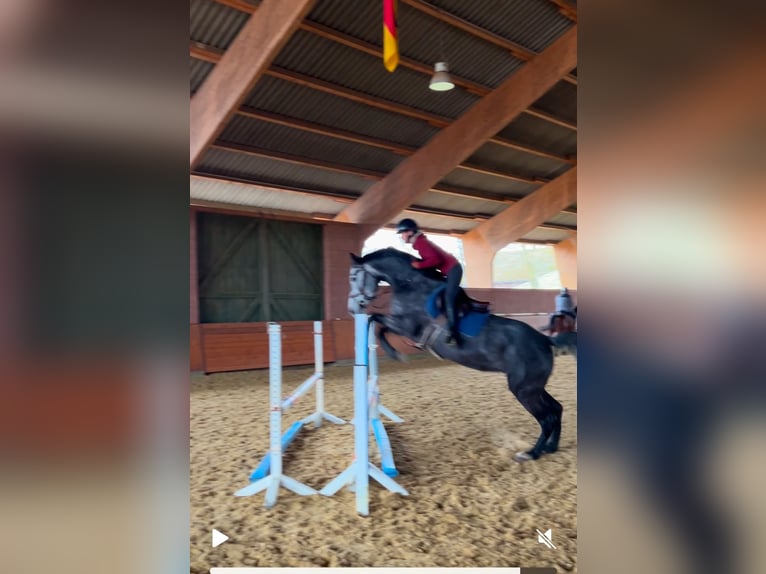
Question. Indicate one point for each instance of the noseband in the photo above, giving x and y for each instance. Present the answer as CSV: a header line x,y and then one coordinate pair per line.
x,y
359,285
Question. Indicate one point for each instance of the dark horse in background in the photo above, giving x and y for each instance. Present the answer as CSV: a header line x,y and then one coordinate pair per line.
x,y
501,345
562,329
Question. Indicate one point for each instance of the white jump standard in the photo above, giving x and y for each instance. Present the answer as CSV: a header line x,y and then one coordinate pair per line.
x,y
358,473
268,475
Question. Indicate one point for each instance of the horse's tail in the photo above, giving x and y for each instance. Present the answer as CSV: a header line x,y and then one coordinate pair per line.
x,y
564,343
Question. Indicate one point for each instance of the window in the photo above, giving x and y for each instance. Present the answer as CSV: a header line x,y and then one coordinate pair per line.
x,y
525,266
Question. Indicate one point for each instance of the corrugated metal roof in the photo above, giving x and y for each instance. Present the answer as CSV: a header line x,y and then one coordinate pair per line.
x,y
544,234
557,172
199,71
544,135
564,219
269,171
465,205
445,224
421,38
359,18
510,160
214,24
532,23
429,40
279,138
255,196
561,101
279,96
480,182
344,66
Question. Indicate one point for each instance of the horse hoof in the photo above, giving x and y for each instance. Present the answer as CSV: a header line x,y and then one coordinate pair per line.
x,y
522,457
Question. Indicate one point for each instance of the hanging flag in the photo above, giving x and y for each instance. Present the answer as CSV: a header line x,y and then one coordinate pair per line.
x,y
390,41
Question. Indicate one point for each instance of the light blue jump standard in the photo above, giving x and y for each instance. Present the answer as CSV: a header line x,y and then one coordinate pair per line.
x,y
263,468
376,409
360,470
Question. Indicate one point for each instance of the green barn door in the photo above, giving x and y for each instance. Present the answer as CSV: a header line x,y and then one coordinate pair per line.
x,y
295,271
258,270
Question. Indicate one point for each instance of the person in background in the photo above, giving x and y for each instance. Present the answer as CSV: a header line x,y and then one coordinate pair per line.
x,y
434,257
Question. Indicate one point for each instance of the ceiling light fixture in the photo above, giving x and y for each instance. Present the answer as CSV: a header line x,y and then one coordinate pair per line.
x,y
440,81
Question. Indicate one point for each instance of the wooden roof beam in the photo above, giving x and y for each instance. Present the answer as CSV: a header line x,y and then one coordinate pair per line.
x,y
567,8
426,69
209,54
459,140
256,45
528,213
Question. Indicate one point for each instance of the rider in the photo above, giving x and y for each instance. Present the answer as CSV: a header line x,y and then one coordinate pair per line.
x,y
434,257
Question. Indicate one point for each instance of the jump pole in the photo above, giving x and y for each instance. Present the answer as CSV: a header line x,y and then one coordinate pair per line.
x,y
317,382
358,473
376,409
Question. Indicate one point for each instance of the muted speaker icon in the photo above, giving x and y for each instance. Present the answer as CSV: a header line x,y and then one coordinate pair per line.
x,y
545,538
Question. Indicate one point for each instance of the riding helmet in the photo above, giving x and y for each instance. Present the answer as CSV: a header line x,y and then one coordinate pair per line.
x,y
406,224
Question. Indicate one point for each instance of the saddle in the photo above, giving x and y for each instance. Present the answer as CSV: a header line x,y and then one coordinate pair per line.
x,y
468,305
472,316
465,304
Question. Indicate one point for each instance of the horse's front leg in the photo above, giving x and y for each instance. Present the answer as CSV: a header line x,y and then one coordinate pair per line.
x,y
389,324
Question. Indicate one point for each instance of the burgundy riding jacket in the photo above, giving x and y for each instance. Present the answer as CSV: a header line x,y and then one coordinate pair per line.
x,y
433,255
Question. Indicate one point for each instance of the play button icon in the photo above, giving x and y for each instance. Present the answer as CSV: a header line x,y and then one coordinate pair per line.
x,y
218,538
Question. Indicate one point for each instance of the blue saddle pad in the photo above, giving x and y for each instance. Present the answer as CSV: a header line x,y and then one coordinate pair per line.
x,y
469,325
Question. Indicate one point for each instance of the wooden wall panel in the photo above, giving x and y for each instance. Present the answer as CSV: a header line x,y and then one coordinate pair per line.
x,y
193,270
196,359
503,301
338,241
343,334
506,301
243,346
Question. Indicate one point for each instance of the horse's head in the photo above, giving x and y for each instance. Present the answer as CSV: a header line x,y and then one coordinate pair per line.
x,y
390,265
363,285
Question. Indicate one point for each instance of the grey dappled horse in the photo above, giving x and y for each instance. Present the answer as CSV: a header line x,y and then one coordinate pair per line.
x,y
503,345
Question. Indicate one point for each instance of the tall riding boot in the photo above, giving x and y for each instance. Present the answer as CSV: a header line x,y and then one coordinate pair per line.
x,y
452,325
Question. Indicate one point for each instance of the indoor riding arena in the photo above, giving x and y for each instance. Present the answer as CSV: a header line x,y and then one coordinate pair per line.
x,y
318,128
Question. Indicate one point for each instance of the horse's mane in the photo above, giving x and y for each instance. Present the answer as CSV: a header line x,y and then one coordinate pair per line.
x,y
385,253
392,252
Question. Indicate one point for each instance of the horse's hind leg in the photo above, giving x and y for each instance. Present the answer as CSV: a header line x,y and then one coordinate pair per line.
x,y
552,445
547,411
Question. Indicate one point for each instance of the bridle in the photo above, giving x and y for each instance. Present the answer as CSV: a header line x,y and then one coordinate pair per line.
x,y
360,290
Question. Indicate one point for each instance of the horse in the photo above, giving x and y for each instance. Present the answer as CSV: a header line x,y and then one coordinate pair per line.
x,y
501,345
562,330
